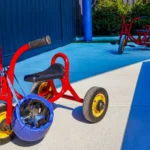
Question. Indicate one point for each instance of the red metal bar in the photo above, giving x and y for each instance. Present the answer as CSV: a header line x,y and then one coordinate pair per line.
x,y
126,29
11,77
57,96
3,85
54,88
72,98
3,98
14,60
1,59
66,86
135,19
123,19
137,41
66,60
19,96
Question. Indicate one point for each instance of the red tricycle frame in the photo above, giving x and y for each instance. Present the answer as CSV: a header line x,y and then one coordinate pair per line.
x,y
95,102
66,86
6,94
126,30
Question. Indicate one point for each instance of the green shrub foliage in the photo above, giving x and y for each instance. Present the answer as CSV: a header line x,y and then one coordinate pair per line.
x,y
106,23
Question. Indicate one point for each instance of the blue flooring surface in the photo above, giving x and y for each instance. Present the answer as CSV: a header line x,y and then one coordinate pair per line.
x,y
90,59
137,133
86,60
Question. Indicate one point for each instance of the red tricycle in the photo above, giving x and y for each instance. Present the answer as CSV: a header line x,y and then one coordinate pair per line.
x,y
32,115
125,34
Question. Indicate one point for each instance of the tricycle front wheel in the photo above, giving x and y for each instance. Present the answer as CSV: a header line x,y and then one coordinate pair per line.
x,y
6,132
122,44
95,104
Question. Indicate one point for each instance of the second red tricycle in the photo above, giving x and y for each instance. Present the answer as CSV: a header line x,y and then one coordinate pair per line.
x,y
125,34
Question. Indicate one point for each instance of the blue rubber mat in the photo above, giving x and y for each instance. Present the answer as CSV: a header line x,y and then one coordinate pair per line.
x,y
137,133
86,60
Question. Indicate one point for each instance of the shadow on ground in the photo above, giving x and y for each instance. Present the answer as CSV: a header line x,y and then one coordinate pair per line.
x,y
76,112
137,133
22,143
56,106
78,115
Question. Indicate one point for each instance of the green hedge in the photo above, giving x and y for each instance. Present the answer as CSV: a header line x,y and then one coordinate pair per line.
x,y
106,23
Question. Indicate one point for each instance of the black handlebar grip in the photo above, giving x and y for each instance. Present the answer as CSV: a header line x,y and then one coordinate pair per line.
x,y
144,17
39,42
116,14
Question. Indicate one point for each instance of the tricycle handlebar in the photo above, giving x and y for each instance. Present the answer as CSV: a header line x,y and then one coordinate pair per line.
x,y
143,17
116,14
135,19
39,42
138,18
33,44
122,17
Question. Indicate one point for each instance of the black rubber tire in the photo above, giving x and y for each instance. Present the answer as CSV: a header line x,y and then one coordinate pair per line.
x,y
9,138
35,88
87,104
121,44
148,39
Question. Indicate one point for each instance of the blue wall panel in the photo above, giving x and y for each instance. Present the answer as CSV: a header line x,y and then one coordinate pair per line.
x,y
68,8
24,20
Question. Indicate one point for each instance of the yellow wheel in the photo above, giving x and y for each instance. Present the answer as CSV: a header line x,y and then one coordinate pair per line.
x,y
6,132
98,104
95,104
148,41
39,87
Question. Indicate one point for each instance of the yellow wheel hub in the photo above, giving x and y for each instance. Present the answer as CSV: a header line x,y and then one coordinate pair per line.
x,y
42,87
6,133
98,98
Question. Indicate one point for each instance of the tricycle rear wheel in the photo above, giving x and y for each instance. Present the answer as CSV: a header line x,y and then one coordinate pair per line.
x,y
39,87
148,39
95,104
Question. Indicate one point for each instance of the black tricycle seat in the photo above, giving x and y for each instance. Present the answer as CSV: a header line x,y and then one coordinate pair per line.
x,y
142,30
55,71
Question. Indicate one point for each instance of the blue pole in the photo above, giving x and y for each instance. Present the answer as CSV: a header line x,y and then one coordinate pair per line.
x,y
87,19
